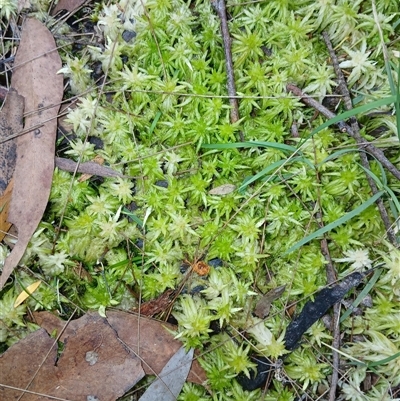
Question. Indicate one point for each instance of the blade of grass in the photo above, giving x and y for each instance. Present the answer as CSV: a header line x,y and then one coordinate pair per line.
x,y
362,294
357,362
383,361
383,186
337,154
132,216
155,121
268,169
394,89
274,145
358,110
335,223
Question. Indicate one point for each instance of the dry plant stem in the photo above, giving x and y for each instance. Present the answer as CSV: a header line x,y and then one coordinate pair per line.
x,y
220,8
330,272
332,278
357,136
363,144
335,354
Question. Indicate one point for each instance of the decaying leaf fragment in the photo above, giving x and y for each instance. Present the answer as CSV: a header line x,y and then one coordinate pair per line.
x,y
4,206
147,338
171,379
10,123
68,5
264,304
93,365
224,189
313,310
154,306
35,78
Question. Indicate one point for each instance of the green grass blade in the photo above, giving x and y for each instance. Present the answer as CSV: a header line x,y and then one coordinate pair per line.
x,y
362,294
336,155
261,173
383,185
378,182
132,216
267,170
397,103
335,223
383,361
273,145
155,121
362,109
394,199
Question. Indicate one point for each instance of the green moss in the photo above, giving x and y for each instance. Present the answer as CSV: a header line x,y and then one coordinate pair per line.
x,y
164,97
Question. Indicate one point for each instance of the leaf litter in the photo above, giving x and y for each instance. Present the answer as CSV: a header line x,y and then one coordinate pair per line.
x,y
101,357
32,364
171,379
35,78
11,117
10,123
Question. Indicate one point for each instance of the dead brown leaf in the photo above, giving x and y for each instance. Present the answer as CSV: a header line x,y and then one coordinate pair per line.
x,y
264,304
10,123
20,362
4,206
93,365
23,4
224,189
35,78
68,5
64,125
155,345
154,306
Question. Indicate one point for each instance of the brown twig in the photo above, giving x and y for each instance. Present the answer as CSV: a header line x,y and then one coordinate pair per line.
x,y
335,354
359,139
90,167
220,9
363,144
331,276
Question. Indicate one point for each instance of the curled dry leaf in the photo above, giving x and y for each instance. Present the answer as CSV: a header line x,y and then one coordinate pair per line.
x,y
224,189
35,78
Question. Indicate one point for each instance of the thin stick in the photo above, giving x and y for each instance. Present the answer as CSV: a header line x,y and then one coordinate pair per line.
x,y
362,143
331,276
335,354
220,8
359,139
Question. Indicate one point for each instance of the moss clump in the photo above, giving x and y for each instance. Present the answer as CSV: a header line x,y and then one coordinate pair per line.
x,y
160,96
